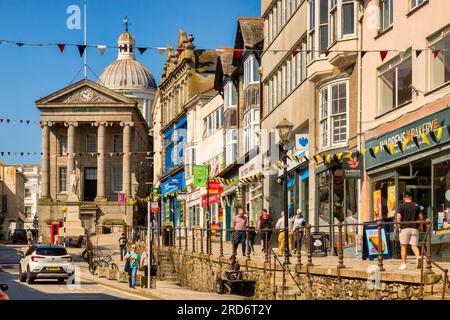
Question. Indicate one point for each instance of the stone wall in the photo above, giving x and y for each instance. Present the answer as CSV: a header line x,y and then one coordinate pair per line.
x,y
200,272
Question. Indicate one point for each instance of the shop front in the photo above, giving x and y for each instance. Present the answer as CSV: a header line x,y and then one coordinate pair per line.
x,y
173,204
252,189
414,157
193,202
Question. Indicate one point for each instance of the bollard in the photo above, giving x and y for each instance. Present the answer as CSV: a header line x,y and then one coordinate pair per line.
x,y
247,242
308,233
341,247
221,242
185,238
193,239
299,247
380,248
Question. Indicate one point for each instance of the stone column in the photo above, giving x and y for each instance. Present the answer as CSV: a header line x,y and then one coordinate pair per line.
x,y
45,170
126,171
70,148
101,135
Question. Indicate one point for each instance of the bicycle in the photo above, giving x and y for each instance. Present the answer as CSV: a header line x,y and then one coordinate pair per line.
x,y
103,261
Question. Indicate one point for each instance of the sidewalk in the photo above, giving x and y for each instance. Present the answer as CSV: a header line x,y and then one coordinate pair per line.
x,y
164,290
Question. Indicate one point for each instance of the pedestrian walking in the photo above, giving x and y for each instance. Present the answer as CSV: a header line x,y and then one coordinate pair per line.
x,y
252,236
265,229
133,261
279,227
29,236
122,245
239,227
144,262
298,224
408,232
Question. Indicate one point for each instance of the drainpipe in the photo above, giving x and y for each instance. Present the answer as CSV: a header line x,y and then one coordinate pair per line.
x,y
359,123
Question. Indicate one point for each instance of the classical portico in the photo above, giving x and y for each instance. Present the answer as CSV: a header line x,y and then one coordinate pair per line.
x,y
100,135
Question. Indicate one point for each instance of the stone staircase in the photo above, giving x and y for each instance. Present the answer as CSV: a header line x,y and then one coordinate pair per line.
x,y
291,290
166,266
434,291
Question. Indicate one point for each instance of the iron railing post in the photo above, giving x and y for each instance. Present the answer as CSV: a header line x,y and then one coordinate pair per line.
x,y
179,238
299,247
428,250
247,243
185,238
341,247
308,241
193,239
266,245
221,242
380,247
201,240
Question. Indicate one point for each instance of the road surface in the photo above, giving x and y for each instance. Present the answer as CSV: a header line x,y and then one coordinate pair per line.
x,y
51,289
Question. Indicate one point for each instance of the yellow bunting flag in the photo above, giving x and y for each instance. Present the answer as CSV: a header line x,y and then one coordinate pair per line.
x,y
425,138
376,149
406,142
439,134
339,155
363,152
348,155
392,148
328,158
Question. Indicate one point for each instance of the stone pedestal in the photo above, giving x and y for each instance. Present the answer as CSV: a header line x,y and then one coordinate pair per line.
x,y
74,227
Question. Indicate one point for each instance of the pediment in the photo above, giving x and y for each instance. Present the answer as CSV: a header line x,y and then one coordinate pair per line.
x,y
84,92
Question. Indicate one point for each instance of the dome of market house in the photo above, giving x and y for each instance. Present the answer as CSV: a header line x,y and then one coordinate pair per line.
x,y
127,74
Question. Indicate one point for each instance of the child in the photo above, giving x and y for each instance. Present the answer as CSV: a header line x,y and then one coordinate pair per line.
x,y
252,235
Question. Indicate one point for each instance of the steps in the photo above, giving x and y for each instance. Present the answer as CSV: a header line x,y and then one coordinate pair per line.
x,y
166,267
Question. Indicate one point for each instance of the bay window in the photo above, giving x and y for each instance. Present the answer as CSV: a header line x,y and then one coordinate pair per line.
x,y
440,66
333,111
250,71
323,26
312,29
251,129
348,17
231,146
230,95
395,80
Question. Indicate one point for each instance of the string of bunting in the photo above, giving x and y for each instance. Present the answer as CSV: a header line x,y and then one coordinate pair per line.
x,y
40,123
237,52
231,182
81,154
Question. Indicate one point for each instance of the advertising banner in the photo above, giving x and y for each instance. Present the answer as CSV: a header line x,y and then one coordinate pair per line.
x,y
200,175
377,205
391,201
353,166
371,243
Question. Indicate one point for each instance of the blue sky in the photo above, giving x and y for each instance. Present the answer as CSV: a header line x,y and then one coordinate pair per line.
x,y
30,72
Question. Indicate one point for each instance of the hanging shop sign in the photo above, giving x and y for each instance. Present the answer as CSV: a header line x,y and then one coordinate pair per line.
x,y
212,199
408,139
173,183
200,175
353,166
251,168
154,207
193,198
297,156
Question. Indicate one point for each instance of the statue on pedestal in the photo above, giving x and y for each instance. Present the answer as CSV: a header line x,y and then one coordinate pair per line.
x,y
73,186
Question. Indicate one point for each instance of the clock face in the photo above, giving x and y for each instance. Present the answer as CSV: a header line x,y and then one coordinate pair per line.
x,y
86,94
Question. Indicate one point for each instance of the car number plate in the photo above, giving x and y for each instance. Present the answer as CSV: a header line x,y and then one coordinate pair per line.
x,y
53,268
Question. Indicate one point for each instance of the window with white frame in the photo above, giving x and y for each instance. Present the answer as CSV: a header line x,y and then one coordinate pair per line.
x,y
312,30
348,17
333,20
117,142
387,13
323,25
117,179
230,95
251,129
231,146
395,83
416,3
440,66
62,179
190,158
91,143
28,212
333,114
213,122
250,70
62,139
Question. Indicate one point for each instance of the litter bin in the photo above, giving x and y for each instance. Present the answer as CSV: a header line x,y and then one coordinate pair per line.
x,y
318,244
168,236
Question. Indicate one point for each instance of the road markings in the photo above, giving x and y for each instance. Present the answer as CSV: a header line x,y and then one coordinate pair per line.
x,y
123,292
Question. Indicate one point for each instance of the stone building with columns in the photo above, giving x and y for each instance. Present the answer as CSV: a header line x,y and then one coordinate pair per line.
x,y
95,141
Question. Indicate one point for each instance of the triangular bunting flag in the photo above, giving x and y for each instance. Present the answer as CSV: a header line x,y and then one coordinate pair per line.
x,y
385,147
363,53
383,54
392,148
424,138
405,143
81,48
416,141
339,155
142,50
306,159
327,53
101,49
418,52
328,158
238,53
19,44
363,152
161,51
377,149
61,47
435,53
180,51
400,146
295,52
439,134
433,136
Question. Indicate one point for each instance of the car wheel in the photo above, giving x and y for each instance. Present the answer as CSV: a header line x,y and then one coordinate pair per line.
x,y
22,276
30,279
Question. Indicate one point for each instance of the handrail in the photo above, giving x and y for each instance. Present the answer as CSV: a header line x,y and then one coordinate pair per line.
x,y
283,265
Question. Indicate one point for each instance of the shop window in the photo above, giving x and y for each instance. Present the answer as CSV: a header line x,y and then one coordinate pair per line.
x,y
384,199
416,3
395,83
440,66
441,196
387,13
333,114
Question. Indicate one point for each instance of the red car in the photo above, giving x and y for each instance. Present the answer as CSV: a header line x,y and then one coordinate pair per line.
x,y
19,235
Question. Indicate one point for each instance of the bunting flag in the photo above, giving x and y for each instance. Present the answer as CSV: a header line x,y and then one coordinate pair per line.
x,y
400,146
161,51
328,158
435,52
383,54
327,53
418,52
406,142
363,152
392,148
180,51
81,49
61,47
142,50
424,138
386,148
101,49
363,53
306,158
295,52
416,141
19,44
339,155
433,137
348,155
238,53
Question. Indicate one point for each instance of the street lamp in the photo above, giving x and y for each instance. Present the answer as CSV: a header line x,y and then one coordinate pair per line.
x,y
284,131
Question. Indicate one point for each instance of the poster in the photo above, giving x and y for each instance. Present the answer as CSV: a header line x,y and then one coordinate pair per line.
x,y
391,201
372,242
200,175
155,207
377,205
352,166
121,198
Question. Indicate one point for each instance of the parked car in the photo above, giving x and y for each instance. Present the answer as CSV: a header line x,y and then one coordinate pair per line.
x,y
19,235
3,295
44,261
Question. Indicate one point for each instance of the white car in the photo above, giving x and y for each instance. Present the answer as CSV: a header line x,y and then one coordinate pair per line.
x,y
45,262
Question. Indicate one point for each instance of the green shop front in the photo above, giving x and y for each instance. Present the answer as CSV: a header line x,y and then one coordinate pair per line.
x,y
414,157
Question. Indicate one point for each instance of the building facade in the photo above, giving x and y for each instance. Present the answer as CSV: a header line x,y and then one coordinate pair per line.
x,y
94,147
31,194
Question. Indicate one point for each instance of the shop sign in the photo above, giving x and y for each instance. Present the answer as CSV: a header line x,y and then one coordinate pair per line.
x,y
371,243
173,183
318,244
200,175
353,166
251,168
154,207
181,197
212,199
291,165
193,198
414,129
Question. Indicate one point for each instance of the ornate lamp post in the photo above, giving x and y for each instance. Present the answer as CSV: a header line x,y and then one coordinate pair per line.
x,y
284,131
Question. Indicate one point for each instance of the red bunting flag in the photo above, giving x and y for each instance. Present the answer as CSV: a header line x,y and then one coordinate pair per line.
x,y
61,47
238,53
180,51
363,53
418,52
383,54
295,52
436,53
327,52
